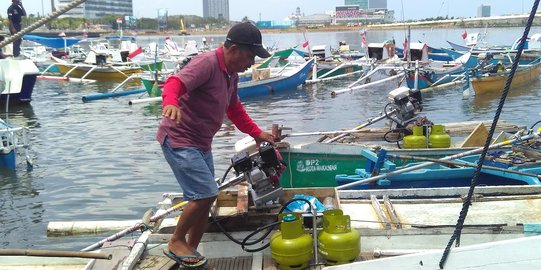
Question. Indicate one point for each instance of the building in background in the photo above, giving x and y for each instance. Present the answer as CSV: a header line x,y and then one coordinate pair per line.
x,y
218,9
377,4
483,11
94,9
363,4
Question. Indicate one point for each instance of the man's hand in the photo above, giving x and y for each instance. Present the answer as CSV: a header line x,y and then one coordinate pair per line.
x,y
264,137
173,112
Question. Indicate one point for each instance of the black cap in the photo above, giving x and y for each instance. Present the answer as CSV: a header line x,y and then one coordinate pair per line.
x,y
248,35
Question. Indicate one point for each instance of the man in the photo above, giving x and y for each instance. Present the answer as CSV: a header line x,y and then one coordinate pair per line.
x,y
15,14
195,102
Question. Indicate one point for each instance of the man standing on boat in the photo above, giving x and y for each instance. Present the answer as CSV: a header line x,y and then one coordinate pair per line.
x,y
15,16
195,102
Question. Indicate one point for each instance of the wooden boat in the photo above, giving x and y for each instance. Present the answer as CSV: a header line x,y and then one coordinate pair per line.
x,y
260,84
328,67
433,54
287,79
316,163
495,82
96,70
454,173
17,79
392,223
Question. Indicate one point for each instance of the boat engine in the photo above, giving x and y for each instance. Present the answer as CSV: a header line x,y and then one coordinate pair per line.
x,y
262,172
402,106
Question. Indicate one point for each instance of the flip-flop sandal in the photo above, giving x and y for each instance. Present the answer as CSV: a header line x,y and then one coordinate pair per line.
x,y
180,259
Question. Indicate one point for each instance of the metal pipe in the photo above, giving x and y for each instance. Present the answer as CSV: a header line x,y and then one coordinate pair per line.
x,y
41,22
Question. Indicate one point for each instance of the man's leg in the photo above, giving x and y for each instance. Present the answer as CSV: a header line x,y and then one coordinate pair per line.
x,y
17,43
191,218
196,232
17,47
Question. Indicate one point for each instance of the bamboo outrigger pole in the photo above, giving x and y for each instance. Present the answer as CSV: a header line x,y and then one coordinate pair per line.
x,y
54,253
41,22
118,235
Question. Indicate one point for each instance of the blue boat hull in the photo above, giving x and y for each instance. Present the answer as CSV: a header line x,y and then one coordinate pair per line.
x,y
271,86
7,160
435,176
427,79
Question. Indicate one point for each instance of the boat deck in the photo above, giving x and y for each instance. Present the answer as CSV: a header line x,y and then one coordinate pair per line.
x,y
234,263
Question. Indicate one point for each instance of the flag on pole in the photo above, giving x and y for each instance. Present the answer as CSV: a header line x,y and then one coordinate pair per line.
x,y
405,45
363,38
305,44
464,35
137,55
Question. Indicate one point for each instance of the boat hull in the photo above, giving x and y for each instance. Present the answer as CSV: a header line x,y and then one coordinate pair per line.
x,y
25,95
275,85
100,73
496,82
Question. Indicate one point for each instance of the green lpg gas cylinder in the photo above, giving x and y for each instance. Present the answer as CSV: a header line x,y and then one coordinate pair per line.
x,y
416,140
338,243
439,138
291,246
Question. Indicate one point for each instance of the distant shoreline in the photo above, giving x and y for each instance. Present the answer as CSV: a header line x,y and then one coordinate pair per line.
x,y
462,23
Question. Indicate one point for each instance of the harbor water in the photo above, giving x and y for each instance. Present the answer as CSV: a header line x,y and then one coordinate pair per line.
x,y
100,160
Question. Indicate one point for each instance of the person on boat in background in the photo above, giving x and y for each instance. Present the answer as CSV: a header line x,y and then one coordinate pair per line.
x,y
195,102
15,13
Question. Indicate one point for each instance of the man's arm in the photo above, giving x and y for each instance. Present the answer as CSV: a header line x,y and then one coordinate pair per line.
x,y
238,115
173,89
22,8
10,20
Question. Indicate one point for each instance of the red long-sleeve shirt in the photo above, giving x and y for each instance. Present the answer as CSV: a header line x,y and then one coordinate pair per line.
x,y
205,92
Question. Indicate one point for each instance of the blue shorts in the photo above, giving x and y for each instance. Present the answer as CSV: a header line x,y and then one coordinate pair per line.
x,y
194,171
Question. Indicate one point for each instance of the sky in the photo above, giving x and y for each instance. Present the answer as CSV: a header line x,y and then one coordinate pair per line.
x,y
280,9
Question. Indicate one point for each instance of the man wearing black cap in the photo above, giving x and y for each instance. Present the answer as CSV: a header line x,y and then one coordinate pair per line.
x,y
195,102
15,14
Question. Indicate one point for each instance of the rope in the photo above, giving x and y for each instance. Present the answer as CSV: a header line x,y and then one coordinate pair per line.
x,y
41,22
467,202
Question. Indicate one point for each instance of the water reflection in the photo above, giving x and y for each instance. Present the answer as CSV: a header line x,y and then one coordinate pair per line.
x,y
488,101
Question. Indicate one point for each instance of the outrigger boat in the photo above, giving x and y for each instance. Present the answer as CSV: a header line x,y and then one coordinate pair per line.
x,y
94,70
495,81
262,83
335,227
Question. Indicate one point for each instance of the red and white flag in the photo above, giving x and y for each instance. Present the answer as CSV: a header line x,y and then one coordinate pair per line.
x,y
363,38
137,55
464,35
405,45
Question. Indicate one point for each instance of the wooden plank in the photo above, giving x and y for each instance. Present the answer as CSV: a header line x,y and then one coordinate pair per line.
x,y
268,263
231,263
242,198
477,138
119,249
156,263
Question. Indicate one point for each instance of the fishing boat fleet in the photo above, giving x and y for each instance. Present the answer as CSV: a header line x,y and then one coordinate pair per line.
x,y
359,198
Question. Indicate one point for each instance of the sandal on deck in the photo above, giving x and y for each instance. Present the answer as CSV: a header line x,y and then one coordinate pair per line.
x,y
180,259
